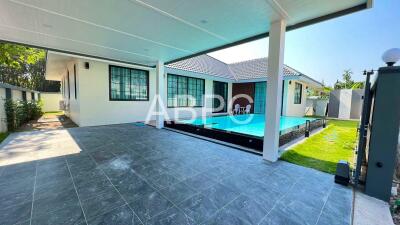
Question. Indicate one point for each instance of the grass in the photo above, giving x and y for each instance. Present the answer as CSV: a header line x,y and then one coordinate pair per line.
x,y
3,136
55,113
322,151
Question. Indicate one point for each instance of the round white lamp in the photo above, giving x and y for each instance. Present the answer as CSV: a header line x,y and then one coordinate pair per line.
x,y
391,56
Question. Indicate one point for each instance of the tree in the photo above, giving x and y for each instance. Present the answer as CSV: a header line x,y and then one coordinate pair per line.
x,y
348,82
25,67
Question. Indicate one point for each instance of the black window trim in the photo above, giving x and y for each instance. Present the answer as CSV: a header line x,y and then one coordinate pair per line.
x,y
8,93
69,86
301,93
75,91
187,91
24,97
128,100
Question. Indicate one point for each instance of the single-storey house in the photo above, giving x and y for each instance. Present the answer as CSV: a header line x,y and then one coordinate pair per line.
x,y
100,92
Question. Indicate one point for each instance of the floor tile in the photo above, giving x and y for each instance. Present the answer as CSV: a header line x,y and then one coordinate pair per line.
x,y
220,194
199,207
150,205
172,216
55,201
119,216
102,156
15,214
71,214
102,203
246,210
163,180
133,188
225,218
93,187
54,188
178,192
200,182
15,193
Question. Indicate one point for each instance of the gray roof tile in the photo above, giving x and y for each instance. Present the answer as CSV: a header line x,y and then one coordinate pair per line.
x,y
245,70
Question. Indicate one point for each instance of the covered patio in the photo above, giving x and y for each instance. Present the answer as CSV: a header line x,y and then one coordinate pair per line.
x,y
151,34
112,175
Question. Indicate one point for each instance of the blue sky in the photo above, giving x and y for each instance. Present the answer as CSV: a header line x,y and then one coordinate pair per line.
x,y
324,50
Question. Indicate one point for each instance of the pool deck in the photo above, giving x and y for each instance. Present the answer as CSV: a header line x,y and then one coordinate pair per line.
x,y
126,174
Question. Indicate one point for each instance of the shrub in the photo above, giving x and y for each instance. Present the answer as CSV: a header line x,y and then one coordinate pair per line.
x,y
21,112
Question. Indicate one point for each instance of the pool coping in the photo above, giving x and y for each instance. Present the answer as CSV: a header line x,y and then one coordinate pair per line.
x,y
244,140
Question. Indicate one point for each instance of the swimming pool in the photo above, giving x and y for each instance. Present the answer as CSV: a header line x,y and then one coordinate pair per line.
x,y
255,126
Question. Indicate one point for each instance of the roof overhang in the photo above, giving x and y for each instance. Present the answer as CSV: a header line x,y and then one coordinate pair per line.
x,y
146,31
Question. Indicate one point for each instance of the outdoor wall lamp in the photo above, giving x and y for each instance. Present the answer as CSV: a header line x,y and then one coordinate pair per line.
x,y
391,56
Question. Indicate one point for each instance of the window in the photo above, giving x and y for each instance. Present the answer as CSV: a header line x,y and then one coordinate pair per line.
x,y
75,81
24,96
220,89
298,93
128,84
181,87
32,95
69,88
8,93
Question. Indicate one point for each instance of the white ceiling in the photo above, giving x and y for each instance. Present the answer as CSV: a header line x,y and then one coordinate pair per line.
x,y
144,31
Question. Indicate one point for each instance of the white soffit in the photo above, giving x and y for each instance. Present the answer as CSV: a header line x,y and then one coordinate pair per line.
x,y
144,31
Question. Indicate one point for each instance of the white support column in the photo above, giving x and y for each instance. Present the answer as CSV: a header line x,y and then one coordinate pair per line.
x,y
274,90
160,93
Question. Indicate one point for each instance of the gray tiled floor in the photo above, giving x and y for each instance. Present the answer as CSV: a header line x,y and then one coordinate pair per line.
x,y
127,174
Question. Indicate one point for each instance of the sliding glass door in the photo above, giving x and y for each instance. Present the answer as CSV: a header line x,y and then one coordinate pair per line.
x,y
221,89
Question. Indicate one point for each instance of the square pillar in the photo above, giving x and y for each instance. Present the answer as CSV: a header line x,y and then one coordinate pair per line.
x,y
159,94
274,90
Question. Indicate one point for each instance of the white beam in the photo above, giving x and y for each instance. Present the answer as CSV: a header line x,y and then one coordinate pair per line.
x,y
274,90
159,94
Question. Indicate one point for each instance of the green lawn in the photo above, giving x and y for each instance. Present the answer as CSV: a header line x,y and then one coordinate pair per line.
x,y
323,150
3,136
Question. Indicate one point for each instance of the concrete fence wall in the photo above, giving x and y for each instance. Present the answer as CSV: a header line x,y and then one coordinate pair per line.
x,y
51,101
345,103
16,95
316,107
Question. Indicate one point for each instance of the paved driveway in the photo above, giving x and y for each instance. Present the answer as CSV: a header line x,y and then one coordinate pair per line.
x,y
127,174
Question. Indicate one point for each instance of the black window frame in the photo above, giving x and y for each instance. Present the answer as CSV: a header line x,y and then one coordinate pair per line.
x,y
75,91
8,93
33,96
69,86
24,96
298,95
187,91
130,88
226,87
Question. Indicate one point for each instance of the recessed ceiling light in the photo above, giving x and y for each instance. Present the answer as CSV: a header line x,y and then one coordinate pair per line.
x,y
203,21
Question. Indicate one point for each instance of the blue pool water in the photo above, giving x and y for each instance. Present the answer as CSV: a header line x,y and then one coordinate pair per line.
x,y
254,126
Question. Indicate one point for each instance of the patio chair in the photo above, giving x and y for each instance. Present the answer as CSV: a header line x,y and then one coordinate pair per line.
x,y
248,108
236,110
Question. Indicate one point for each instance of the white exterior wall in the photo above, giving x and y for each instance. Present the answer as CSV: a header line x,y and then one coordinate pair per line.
x,y
16,95
93,107
3,123
345,103
295,109
51,101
